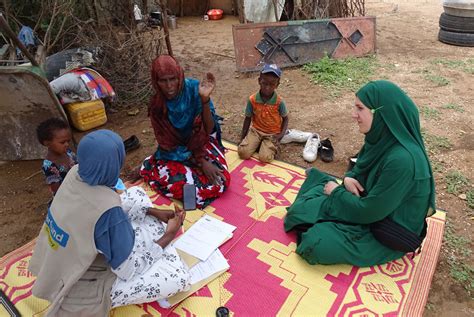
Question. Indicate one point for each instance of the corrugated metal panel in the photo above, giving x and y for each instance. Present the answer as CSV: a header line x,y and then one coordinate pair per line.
x,y
298,42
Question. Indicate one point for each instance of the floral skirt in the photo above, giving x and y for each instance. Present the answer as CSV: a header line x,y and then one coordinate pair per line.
x,y
169,177
149,273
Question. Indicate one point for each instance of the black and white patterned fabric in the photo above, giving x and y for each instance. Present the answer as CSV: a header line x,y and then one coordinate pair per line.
x,y
150,273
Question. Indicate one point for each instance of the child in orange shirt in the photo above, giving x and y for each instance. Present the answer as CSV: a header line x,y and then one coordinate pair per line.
x,y
269,117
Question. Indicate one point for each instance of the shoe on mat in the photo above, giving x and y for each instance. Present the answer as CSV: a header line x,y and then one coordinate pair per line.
x,y
131,143
326,151
310,151
222,312
293,135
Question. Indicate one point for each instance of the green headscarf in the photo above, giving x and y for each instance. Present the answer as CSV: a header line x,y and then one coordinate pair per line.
x,y
395,119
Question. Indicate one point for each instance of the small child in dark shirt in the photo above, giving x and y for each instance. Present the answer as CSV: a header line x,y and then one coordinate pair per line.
x,y
55,134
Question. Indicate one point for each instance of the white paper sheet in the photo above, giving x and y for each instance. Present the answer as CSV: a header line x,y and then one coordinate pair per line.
x,y
204,269
204,237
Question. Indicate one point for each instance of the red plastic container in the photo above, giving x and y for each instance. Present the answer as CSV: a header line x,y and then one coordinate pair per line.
x,y
215,14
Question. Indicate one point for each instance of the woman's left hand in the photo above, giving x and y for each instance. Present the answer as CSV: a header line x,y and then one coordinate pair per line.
x,y
329,187
206,86
213,173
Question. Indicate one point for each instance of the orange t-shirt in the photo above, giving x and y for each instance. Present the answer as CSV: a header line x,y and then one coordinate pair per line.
x,y
266,116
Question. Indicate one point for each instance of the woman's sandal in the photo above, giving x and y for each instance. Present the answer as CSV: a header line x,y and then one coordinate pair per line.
x,y
326,151
132,143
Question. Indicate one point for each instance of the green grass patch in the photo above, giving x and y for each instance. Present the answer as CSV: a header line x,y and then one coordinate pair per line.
x,y
436,79
437,167
463,273
458,251
453,106
419,71
466,66
435,143
342,75
429,113
456,243
470,198
456,182
430,306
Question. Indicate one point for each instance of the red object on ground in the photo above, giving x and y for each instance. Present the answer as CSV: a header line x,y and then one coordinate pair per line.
x,y
215,14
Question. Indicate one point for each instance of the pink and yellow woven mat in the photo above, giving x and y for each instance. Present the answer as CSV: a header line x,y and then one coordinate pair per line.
x,y
266,277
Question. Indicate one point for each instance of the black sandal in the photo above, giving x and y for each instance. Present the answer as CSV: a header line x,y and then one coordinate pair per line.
x,y
222,312
326,151
132,143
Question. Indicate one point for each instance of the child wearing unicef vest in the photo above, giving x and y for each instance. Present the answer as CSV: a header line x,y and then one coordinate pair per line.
x,y
268,115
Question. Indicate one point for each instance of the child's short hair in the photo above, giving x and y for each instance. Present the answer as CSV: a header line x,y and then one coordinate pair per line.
x,y
45,130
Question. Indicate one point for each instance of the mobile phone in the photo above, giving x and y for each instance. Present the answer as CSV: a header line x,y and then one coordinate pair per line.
x,y
189,196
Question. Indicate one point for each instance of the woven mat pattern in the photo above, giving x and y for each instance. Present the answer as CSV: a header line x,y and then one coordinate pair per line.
x,y
266,277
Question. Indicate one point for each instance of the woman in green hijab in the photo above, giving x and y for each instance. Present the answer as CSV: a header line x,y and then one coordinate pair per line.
x,y
391,181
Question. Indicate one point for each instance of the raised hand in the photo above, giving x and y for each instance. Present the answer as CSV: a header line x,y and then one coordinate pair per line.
x,y
206,86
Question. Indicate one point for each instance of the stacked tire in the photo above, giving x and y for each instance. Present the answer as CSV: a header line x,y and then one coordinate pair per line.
x,y
456,23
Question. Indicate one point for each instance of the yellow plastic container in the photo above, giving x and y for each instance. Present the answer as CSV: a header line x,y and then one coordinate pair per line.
x,y
87,115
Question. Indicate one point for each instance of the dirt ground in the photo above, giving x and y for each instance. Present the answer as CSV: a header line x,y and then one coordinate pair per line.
x,y
407,45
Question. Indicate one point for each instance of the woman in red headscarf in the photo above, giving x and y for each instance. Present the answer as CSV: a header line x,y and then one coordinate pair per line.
x,y
188,135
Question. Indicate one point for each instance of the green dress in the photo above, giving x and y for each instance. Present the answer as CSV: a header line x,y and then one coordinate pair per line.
x,y
397,177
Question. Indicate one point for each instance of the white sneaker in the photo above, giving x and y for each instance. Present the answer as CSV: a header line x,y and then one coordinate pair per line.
x,y
310,151
293,135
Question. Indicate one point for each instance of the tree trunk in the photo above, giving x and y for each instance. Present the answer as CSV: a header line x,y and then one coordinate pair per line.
x,y
241,7
165,26
97,10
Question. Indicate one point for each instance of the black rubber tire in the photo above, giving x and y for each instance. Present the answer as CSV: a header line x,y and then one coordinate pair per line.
x,y
456,24
454,38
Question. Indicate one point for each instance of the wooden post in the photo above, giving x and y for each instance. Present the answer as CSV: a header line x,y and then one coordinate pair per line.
x,y
181,8
241,7
165,27
6,28
98,16
234,7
